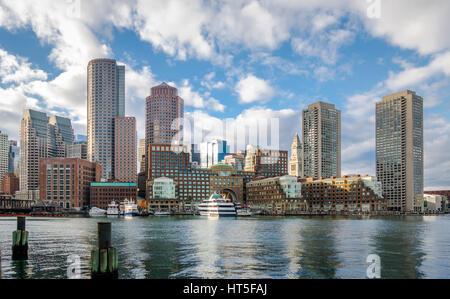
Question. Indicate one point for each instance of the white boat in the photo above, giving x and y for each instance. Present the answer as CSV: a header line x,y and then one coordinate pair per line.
x,y
96,212
162,213
113,209
243,211
130,208
217,206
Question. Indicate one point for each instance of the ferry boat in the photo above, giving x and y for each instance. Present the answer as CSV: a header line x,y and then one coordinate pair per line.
x,y
130,208
96,212
113,209
217,206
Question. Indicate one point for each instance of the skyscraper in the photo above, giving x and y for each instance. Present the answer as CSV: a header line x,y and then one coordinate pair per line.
x,y
399,149
14,155
125,156
321,141
105,102
141,154
212,153
295,165
4,155
163,107
60,136
40,137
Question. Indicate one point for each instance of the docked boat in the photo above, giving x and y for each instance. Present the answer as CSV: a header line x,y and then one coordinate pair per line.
x,y
162,213
96,212
113,209
217,206
243,211
130,208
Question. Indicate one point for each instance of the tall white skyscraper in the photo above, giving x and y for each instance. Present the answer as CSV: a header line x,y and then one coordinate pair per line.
x,y
321,141
213,152
105,102
399,149
4,155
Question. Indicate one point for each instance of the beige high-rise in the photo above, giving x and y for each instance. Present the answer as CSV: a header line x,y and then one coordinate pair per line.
x,y
105,102
399,149
321,141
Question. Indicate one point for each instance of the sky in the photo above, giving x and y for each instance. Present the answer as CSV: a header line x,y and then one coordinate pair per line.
x,y
236,62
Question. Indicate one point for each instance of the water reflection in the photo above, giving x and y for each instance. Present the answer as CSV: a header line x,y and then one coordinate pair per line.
x,y
399,243
319,254
193,247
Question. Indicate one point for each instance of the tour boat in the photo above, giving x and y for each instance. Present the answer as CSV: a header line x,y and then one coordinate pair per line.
x,y
96,212
113,209
130,208
217,206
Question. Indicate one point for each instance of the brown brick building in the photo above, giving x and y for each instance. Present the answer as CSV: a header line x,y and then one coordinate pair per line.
x,y
276,195
10,184
346,194
104,193
66,181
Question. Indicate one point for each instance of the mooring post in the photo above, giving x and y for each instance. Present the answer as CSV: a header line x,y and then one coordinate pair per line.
x,y
104,260
20,241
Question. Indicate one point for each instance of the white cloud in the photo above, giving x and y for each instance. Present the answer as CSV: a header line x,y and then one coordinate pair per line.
x,y
17,69
252,89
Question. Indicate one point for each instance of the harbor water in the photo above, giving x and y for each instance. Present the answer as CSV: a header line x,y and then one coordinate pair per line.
x,y
257,247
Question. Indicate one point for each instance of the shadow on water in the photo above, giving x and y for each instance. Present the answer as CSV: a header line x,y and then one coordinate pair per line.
x,y
399,243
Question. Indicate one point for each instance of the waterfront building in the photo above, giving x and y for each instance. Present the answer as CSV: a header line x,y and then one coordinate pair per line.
x,y
213,152
296,162
103,193
66,181
40,137
276,195
4,155
266,163
77,150
228,182
14,155
125,156
347,194
435,203
445,193
105,102
163,107
10,184
399,149
163,194
321,141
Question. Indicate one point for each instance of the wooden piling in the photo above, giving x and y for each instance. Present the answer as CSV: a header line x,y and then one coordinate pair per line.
x,y
104,260
20,241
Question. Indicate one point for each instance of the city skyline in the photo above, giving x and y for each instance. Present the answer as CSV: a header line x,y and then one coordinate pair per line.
x,y
52,81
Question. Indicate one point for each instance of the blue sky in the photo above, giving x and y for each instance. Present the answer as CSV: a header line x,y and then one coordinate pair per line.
x,y
238,61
